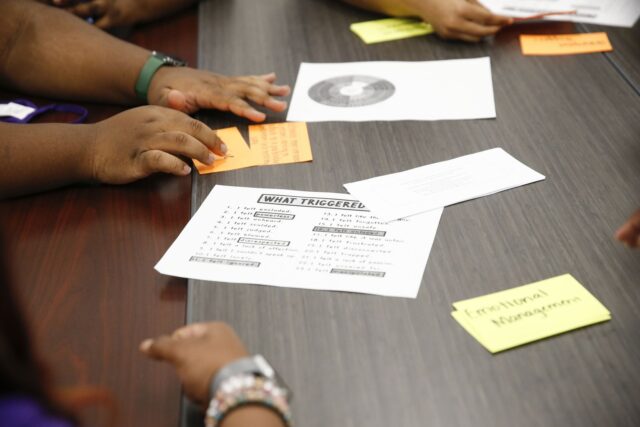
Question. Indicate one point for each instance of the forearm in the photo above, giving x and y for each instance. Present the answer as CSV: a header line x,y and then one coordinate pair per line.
x,y
55,54
38,157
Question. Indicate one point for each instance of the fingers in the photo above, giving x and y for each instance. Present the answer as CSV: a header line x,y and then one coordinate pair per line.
x,y
182,144
204,134
180,139
162,348
477,31
176,135
164,152
471,22
270,77
241,108
257,89
188,90
261,97
195,330
153,161
265,83
629,233
165,347
89,9
105,22
480,14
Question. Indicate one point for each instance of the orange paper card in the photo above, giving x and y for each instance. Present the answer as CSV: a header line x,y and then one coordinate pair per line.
x,y
280,143
564,44
238,154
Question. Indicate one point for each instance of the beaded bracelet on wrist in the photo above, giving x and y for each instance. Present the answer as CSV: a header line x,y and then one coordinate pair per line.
x,y
247,389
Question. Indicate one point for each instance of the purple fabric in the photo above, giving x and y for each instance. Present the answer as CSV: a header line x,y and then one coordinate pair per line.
x,y
26,412
62,108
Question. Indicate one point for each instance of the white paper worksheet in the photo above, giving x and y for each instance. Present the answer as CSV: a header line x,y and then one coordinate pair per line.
x,y
299,239
363,91
620,13
435,186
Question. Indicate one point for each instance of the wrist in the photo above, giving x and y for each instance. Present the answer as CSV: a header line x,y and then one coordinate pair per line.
x,y
86,153
249,381
243,391
157,84
156,66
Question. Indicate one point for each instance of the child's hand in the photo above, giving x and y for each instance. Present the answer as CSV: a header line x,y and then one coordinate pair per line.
x,y
146,140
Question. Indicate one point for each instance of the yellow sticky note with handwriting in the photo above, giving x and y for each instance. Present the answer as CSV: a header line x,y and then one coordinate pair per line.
x,y
238,153
280,143
518,316
384,30
564,44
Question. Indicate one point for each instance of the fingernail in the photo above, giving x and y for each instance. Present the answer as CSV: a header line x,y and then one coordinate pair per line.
x,y
223,147
186,170
146,345
210,159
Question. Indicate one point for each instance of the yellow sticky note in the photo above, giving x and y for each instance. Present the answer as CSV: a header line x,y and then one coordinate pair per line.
x,y
518,316
280,143
383,30
238,153
564,44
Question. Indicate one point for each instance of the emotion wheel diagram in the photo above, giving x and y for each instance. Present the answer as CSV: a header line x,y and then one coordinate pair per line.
x,y
351,91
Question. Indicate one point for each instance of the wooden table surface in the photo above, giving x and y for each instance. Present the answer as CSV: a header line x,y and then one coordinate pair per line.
x,y
626,50
362,360
82,258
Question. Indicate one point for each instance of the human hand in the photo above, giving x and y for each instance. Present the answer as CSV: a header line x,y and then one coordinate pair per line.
x,y
466,20
197,351
629,233
189,90
145,140
106,13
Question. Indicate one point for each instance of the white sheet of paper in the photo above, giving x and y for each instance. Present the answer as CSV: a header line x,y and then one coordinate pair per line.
x,y
620,13
363,91
301,239
435,186
13,109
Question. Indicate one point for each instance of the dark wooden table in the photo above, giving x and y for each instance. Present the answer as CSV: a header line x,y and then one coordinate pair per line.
x,y
360,360
82,258
626,54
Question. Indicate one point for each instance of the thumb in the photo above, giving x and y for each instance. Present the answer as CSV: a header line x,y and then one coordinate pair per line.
x,y
175,99
162,348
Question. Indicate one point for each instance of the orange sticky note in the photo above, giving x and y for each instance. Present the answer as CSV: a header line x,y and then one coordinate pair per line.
x,y
564,44
280,143
238,154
